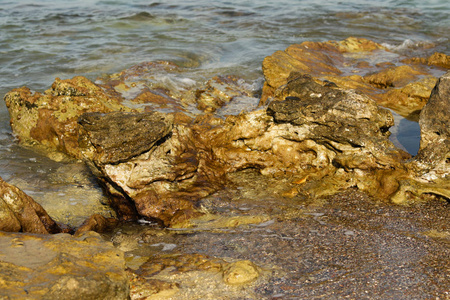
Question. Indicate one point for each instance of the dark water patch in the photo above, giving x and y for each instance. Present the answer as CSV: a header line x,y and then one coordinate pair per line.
x,y
139,17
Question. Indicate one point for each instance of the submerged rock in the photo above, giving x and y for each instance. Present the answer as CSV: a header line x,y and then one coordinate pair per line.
x,y
177,276
20,213
165,87
240,272
61,267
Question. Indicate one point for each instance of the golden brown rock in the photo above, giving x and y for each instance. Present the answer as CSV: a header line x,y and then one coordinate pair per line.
x,y
19,212
61,267
240,272
49,121
97,223
350,64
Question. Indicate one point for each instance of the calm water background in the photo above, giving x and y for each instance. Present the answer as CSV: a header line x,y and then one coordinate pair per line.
x,y
41,40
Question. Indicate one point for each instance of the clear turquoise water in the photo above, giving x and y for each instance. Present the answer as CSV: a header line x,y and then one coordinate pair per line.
x,y
41,40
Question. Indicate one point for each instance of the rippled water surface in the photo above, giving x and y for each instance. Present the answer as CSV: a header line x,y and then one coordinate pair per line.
x,y
41,40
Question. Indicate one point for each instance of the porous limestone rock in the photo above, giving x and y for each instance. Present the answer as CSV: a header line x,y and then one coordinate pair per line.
x,y
404,86
154,163
324,127
317,131
61,267
49,121
430,169
20,213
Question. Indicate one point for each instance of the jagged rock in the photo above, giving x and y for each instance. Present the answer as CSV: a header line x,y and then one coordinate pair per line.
x,y
350,64
61,267
117,137
434,118
431,167
325,128
317,131
49,121
20,213
155,174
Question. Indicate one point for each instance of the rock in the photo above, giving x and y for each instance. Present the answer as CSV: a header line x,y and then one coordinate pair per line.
x,y
393,77
314,58
219,91
434,118
117,137
142,288
164,271
61,267
436,59
352,64
49,121
430,168
240,272
97,223
409,100
155,172
324,127
19,212
318,131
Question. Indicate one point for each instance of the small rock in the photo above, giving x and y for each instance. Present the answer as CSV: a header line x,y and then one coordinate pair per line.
x,y
19,212
240,272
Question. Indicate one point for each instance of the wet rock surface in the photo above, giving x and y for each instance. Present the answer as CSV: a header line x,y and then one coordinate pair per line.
x,y
400,83
48,121
60,266
19,212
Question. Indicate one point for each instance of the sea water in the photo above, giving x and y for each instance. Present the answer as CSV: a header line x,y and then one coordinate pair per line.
x,y
41,40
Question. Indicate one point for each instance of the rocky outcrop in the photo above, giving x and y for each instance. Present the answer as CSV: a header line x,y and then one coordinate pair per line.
x,y
320,123
354,64
49,121
434,118
19,212
430,169
61,267
318,131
